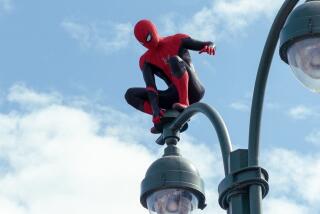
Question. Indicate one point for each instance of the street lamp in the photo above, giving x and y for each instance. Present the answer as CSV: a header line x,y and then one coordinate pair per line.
x,y
172,184
245,183
300,44
302,25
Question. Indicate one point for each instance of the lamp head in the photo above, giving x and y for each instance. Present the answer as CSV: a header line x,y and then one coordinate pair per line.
x,y
300,43
172,185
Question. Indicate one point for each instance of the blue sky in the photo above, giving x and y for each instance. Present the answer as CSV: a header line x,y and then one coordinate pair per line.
x,y
68,63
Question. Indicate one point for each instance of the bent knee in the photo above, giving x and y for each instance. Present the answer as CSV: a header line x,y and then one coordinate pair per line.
x,y
128,95
196,97
202,92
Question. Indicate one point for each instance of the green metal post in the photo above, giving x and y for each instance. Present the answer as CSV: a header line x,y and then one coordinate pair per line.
x,y
239,202
258,97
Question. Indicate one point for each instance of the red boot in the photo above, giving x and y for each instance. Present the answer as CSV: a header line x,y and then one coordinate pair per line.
x,y
182,88
157,127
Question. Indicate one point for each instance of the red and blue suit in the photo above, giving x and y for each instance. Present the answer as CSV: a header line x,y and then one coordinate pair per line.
x,y
169,59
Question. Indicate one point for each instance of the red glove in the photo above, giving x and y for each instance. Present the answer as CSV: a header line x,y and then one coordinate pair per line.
x,y
209,49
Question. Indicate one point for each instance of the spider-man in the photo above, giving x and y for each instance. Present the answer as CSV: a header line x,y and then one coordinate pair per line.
x,y
169,59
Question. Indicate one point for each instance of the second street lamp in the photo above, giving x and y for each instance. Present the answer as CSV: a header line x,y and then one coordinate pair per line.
x,y
309,9
300,44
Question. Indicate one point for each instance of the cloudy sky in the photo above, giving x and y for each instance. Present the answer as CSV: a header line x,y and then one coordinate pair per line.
x,y
69,143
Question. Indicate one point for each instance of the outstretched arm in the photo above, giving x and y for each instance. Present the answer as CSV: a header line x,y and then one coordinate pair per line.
x,y
196,45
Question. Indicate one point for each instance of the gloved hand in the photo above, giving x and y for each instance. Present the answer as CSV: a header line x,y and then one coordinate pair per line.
x,y
209,49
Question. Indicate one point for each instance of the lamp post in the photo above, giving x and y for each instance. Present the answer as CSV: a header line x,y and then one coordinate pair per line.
x,y
174,173
302,24
173,185
171,177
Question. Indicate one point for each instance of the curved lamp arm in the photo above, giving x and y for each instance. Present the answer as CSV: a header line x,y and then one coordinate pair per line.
x,y
217,122
262,77
258,97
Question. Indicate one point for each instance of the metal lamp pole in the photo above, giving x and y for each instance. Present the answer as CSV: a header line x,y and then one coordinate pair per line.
x,y
258,98
302,24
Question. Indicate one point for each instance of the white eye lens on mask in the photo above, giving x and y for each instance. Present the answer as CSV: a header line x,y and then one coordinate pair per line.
x,y
149,37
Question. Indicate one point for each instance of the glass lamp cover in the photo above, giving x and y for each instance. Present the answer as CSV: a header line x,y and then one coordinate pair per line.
x,y
172,201
304,59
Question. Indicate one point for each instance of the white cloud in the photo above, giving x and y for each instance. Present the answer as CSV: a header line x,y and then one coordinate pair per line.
x,y
314,137
244,104
60,158
6,6
56,162
240,106
167,25
104,37
294,179
223,18
302,112
24,96
279,205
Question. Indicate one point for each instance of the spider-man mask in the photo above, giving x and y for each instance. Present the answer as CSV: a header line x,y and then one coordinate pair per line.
x,y
147,34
